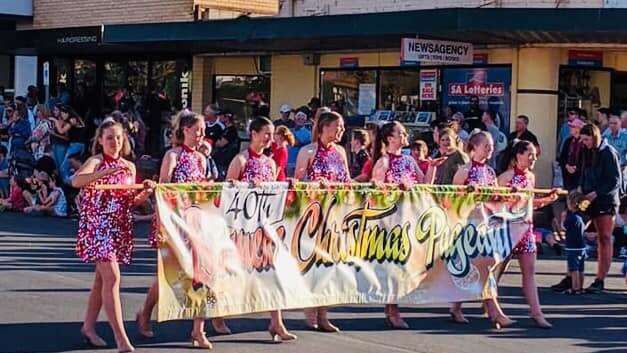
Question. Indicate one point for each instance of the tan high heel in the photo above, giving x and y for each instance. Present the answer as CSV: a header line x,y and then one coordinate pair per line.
x,y
393,318
276,336
502,321
311,318
94,341
541,322
220,327
324,325
143,329
201,341
457,316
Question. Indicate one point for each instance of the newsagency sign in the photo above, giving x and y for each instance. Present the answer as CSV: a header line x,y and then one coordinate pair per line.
x,y
421,50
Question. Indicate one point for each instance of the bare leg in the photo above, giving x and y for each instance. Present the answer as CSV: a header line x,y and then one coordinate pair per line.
x,y
220,327
143,317
576,281
110,273
456,313
198,334
277,328
393,317
93,309
605,226
323,320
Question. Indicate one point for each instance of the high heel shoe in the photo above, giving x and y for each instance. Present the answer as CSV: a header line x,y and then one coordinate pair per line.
x,y
396,322
93,341
143,329
219,326
541,322
502,321
201,341
127,350
311,318
324,325
458,317
279,337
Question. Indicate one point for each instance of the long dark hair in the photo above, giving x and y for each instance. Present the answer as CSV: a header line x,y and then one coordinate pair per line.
x,y
589,155
382,140
514,148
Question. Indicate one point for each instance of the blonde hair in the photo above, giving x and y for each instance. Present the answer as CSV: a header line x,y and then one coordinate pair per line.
x,y
325,119
185,118
287,135
96,147
42,108
574,199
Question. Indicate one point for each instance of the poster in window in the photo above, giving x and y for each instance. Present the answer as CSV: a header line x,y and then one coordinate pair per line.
x,y
428,85
490,84
367,98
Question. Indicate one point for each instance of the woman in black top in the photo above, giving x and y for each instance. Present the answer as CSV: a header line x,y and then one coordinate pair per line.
x,y
570,156
600,180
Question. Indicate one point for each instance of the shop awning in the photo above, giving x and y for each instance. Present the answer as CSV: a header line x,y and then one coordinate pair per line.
x,y
479,26
383,30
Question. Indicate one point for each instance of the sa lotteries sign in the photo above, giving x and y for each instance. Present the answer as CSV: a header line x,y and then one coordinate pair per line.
x,y
421,50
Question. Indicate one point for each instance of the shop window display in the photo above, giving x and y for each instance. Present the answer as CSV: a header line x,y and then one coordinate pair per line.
x,y
353,90
243,95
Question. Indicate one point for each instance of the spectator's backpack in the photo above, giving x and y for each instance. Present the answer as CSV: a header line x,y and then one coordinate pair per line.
x,y
22,163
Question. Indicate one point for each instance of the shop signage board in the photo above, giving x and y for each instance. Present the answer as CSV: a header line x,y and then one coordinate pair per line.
x,y
349,62
437,51
428,85
490,84
585,58
480,59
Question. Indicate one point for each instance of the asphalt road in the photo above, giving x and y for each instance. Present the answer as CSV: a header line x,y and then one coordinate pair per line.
x,y
44,288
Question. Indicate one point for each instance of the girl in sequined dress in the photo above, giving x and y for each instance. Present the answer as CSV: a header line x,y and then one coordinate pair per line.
x,y
253,167
518,160
392,167
325,161
480,147
181,164
105,234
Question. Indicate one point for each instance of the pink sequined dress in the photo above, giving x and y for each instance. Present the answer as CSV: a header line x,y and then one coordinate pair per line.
x,y
258,168
526,245
480,174
105,228
328,164
188,169
401,168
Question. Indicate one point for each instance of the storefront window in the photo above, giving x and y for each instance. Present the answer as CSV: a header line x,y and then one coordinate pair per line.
x,y
114,82
85,89
137,78
399,90
353,90
583,88
164,78
241,94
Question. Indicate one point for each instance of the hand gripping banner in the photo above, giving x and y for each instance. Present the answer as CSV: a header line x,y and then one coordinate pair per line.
x,y
235,250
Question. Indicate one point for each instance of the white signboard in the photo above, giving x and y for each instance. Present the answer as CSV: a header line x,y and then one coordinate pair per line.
x,y
414,49
367,98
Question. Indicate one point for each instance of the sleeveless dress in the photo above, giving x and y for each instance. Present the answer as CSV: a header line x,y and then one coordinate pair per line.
x,y
258,168
526,245
401,168
105,228
480,174
328,164
188,169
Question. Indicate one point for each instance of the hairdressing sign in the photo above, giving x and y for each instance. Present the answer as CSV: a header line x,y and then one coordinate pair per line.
x,y
421,50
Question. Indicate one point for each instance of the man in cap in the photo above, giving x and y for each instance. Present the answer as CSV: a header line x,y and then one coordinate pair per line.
x,y
213,127
286,112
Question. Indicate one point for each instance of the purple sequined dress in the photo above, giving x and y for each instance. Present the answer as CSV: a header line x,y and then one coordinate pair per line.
x,y
526,245
328,164
401,168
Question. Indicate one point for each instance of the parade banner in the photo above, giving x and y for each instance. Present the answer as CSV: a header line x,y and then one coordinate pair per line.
x,y
235,250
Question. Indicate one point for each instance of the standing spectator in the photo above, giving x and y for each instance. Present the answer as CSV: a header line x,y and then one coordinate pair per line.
x,y
212,169
283,138
19,130
522,133
286,112
4,172
302,137
58,136
40,136
500,140
473,116
213,127
227,147
565,132
603,119
359,151
457,122
314,104
617,138
32,96
454,157
575,246
570,158
20,102
600,184
77,133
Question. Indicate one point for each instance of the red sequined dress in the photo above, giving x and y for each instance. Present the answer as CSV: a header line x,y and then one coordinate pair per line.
x,y
328,164
526,245
188,169
401,168
480,174
105,228
258,168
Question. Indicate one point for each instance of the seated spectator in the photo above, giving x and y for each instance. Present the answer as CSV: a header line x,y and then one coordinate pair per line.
x,y
4,172
54,204
46,162
34,190
15,201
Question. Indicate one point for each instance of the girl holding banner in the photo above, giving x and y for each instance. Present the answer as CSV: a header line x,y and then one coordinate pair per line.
x,y
105,231
392,167
325,161
254,167
181,164
518,160
477,173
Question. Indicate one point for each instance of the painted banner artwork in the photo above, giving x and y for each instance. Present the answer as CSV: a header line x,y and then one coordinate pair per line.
x,y
235,250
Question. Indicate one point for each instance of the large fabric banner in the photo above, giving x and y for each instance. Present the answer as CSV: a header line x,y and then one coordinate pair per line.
x,y
235,250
